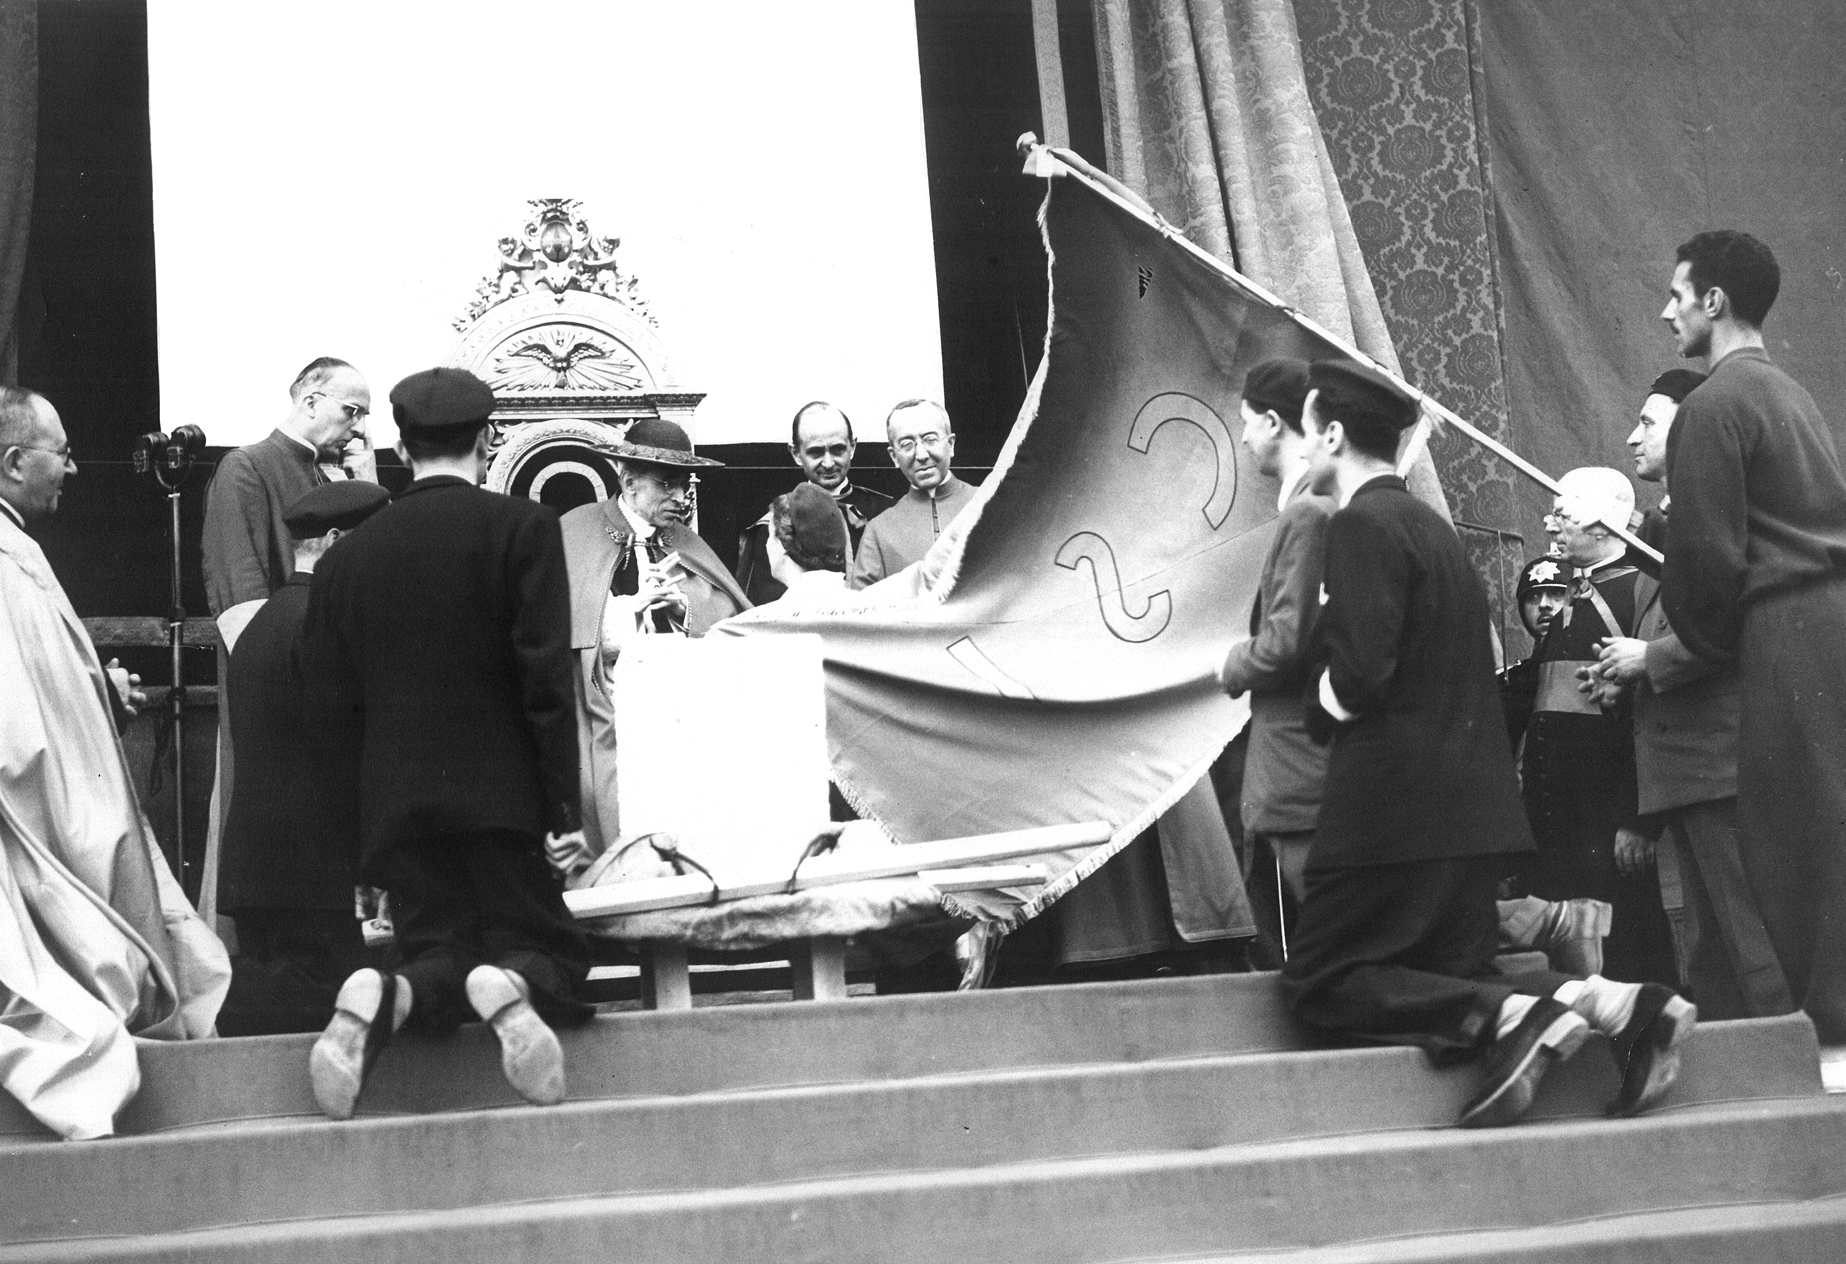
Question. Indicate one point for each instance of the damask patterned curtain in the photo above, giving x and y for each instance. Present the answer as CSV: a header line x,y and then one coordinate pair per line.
x,y
18,152
1206,113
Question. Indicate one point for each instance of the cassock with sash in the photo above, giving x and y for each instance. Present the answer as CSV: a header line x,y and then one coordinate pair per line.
x,y
604,546
96,938
1579,781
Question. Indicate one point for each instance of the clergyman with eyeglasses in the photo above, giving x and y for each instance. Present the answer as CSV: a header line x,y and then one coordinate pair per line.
x,y
922,444
636,569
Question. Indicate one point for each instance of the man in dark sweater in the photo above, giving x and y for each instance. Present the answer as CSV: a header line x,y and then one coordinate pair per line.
x,y
1399,927
1756,574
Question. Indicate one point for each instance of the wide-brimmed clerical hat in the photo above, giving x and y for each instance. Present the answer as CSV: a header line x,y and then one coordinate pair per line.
x,y
656,441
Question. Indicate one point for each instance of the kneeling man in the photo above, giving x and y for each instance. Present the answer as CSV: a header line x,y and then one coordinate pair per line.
x,y
1399,926
438,669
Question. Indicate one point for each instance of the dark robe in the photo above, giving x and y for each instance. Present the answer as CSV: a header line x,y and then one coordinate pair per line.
x,y
1756,573
1579,783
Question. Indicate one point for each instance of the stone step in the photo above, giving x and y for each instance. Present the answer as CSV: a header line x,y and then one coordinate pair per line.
x,y
201,1176
1811,1232
734,1047
1279,1196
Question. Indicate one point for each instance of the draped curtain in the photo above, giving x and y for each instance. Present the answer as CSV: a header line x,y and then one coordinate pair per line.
x,y
1206,113
18,151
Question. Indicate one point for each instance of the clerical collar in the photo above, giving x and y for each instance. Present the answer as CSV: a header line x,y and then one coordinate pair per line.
x,y
1294,469
1666,504
936,491
842,491
13,513
637,527
1593,567
283,429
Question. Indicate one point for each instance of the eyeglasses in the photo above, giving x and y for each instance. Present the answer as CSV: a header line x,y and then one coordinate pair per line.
x,y
669,482
908,444
63,454
354,412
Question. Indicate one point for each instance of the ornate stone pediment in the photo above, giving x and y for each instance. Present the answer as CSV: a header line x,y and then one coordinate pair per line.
x,y
561,332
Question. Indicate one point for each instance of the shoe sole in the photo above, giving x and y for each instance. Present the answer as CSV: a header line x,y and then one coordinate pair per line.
x,y
530,1056
336,1063
1513,1098
1671,1027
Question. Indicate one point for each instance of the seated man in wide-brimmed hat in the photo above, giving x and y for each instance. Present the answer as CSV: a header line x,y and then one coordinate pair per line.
x,y
636,569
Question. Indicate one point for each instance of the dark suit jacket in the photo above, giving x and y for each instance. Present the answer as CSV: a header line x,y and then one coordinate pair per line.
x,y
859,506
437,660
1685,716
1284,769
1423,770
248,554
281,849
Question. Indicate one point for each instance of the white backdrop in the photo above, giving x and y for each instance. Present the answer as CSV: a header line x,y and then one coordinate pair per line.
x,y
331,179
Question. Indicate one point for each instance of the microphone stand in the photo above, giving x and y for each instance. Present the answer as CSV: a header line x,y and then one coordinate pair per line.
x,y
168,458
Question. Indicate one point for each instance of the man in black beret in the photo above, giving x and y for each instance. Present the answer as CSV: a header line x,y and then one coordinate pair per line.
x,y
1283,768
822,444
437,659
636,569
1421,809
807,548
286,872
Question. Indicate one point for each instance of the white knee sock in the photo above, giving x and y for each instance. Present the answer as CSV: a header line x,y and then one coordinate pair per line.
x,y
1604,1003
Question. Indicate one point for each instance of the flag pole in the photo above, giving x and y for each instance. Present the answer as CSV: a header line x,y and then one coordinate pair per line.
x,y
1045,162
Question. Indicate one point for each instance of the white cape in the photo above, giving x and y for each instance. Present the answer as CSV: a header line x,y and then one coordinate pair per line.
x,y
96,937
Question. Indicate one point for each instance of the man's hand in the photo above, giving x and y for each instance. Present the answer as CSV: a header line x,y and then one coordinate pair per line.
x,y
127,686
1622,659
1634,852
657,585
1599,689
568,854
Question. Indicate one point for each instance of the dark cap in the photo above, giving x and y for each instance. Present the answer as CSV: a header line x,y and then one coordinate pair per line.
x,y
1676,384
1279,385
441,403
657,441
811,528
333,506
1540,572
1360,395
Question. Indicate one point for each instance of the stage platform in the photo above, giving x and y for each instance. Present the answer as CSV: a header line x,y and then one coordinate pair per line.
x,y
1173,1118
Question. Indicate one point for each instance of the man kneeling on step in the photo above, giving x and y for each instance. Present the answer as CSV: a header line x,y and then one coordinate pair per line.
x,y
1421,807
437,657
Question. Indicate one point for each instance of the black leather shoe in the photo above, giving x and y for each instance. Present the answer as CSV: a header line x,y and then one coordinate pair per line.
x,y
1647,1049
361,1028
1550,1032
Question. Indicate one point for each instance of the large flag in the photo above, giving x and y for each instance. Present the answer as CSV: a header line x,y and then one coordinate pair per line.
x,y
1059,661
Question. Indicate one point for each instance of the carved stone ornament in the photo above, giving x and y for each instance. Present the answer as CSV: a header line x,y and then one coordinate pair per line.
x,y
573,355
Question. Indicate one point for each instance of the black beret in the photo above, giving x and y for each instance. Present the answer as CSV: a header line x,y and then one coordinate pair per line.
x,y
341,506
1676,384
816,526
440,402
1540,572
1280,384
1360,395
